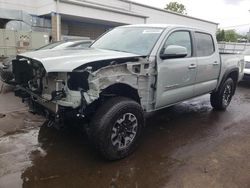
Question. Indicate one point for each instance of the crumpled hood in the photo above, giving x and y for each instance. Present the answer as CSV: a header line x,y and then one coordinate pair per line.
x,y
69,59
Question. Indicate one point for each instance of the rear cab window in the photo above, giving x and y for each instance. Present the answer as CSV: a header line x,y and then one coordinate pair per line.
x,y
204,44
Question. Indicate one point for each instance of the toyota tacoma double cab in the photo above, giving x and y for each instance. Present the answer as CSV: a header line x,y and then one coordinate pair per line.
x,y
127,72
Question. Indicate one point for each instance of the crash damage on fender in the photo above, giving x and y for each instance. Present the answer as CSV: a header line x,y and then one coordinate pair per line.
x,y
80,80
128,71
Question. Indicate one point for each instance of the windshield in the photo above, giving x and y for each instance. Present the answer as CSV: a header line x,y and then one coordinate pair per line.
x,y
137,40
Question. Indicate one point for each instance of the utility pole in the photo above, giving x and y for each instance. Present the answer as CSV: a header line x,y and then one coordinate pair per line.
x,y
248,34
58,22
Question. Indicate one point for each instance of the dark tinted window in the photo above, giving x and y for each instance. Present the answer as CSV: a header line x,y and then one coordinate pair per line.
x,y
180,38
204,44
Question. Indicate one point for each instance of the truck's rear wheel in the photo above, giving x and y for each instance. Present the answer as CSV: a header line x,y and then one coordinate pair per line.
x,y
116,127
221,99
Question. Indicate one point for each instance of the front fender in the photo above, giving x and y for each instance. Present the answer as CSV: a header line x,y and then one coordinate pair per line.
x,y
122,74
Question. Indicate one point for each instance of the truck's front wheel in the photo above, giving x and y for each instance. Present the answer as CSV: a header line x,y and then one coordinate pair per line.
x,y
116,127
222,98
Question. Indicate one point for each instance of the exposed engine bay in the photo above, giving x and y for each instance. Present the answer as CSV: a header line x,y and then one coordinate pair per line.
x,y
55,93
41,89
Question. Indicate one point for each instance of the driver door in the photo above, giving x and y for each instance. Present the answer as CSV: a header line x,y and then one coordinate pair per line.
x,y
176,76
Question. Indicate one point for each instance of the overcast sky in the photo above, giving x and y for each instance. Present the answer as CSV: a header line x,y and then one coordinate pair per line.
x,y
225,12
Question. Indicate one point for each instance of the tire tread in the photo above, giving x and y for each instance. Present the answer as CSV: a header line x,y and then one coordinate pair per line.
x,y
105,113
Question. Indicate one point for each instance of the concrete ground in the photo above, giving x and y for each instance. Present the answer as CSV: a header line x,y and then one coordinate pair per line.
x,y
188,145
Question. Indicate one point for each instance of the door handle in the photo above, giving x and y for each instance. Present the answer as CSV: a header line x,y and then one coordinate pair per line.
x,y
192,66
215,63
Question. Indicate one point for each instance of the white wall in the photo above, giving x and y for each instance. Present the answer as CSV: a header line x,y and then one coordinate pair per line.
x,y
124,12
164,17
45,6
26,5
99,14
35,7
112,3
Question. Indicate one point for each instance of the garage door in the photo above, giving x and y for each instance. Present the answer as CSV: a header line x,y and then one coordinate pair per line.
x,y
85,30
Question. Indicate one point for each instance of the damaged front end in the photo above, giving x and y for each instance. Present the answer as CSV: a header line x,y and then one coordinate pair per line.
x,y
57,95
47,94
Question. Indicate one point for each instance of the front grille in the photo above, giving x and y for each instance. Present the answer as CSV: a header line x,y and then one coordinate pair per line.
x,y
247,65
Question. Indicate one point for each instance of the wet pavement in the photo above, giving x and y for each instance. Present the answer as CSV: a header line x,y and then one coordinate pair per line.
x,y
188,145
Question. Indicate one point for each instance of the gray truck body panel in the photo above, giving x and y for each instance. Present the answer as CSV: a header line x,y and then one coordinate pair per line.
x,y
159,83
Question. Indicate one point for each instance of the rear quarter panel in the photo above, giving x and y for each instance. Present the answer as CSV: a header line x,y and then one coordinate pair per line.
x,y
230,62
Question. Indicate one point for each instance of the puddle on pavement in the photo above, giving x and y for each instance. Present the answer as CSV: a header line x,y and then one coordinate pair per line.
x,y
45,157
48,157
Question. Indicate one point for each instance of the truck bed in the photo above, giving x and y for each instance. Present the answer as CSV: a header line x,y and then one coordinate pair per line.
x,y
229,60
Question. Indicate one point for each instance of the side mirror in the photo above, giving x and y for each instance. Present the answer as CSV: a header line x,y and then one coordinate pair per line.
x,y
174,51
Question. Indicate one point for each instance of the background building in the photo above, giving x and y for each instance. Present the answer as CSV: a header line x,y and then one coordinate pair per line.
x,y
88,18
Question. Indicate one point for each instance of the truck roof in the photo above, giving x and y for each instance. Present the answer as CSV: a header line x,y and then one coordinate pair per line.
x,y
155,25
164,26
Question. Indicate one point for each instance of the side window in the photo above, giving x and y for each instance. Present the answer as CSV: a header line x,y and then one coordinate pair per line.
x,y
180,38
204,44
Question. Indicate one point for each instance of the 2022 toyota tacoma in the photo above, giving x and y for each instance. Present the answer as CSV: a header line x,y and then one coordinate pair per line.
x,y
128,71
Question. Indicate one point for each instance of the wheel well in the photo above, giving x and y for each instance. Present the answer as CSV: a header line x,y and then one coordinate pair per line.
x,y
119,89
234,75
123,90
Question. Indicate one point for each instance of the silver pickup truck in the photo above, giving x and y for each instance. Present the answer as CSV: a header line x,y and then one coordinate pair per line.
x,y
126,72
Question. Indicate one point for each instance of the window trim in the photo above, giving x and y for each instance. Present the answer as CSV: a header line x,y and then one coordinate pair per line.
x,y
191,41
196,41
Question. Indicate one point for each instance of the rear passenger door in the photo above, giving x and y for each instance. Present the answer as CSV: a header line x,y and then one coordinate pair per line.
x,y
208,63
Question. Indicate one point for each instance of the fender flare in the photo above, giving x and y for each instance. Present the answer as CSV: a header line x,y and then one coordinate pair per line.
x,y
226,76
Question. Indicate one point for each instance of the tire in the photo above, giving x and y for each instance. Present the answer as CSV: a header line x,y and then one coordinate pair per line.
x,y
117,121
6,76
221,99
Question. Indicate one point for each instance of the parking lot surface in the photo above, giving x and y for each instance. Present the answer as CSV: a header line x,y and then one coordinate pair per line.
x,y
187,145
